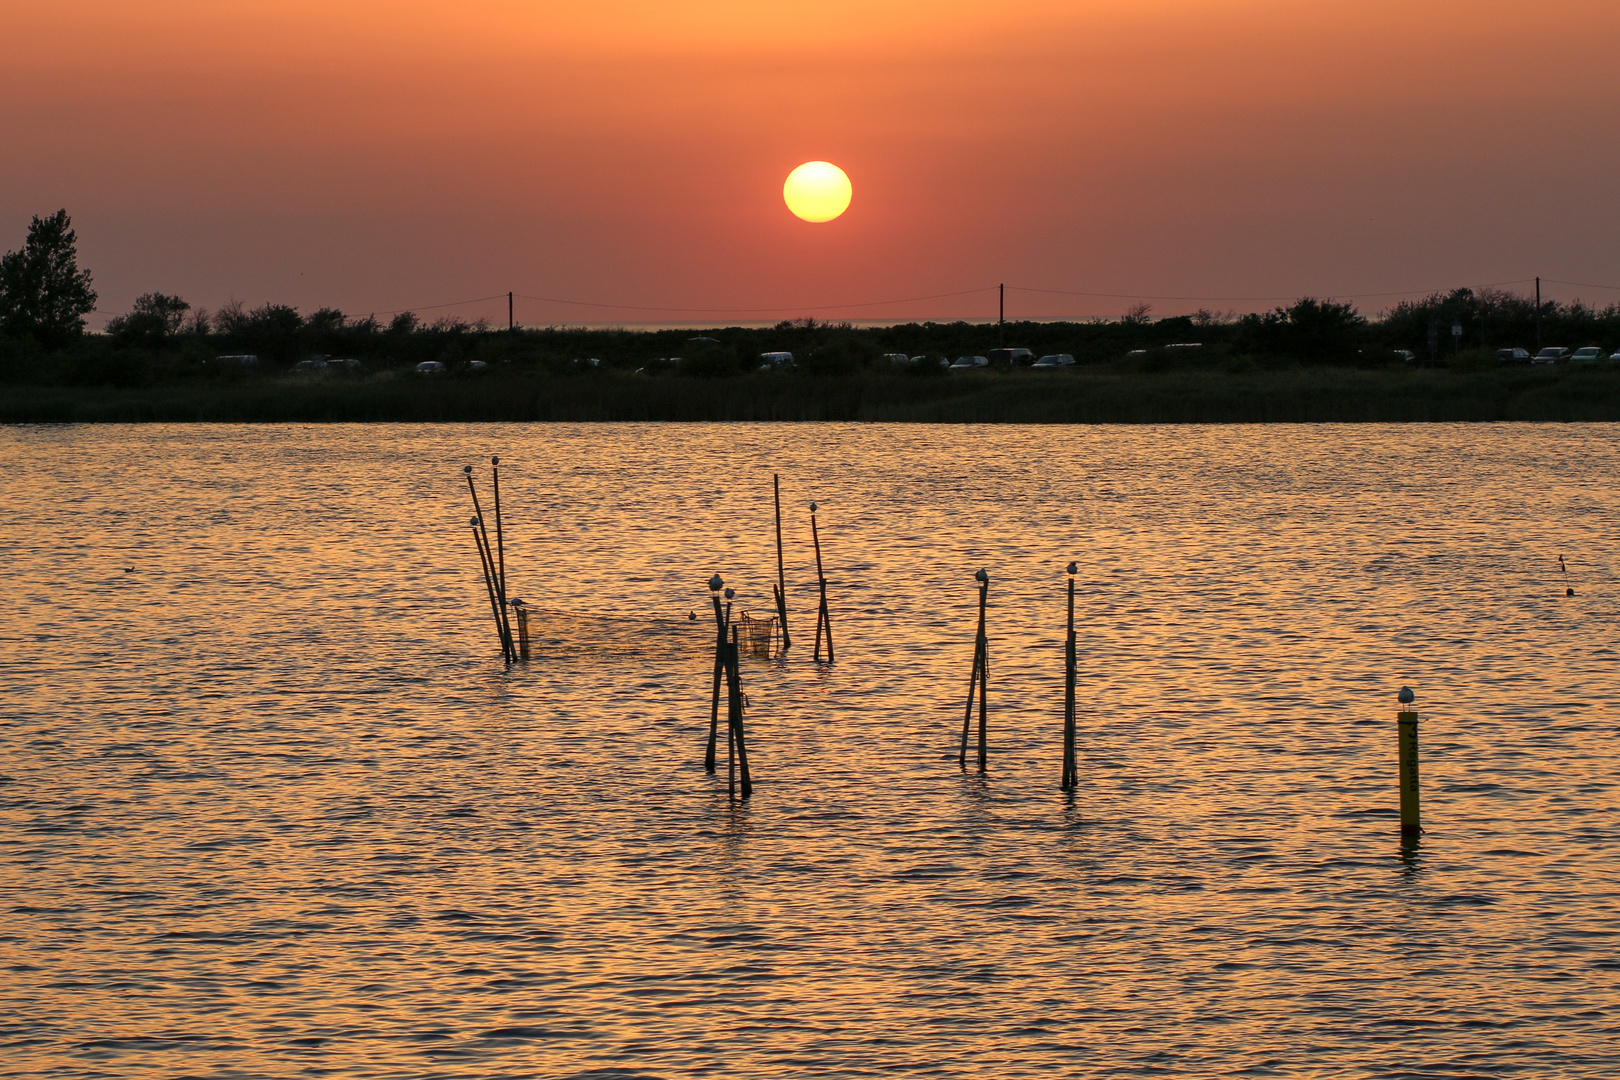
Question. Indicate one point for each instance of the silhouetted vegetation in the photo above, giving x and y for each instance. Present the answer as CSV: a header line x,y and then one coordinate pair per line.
x,y
165,359
163,340
44,296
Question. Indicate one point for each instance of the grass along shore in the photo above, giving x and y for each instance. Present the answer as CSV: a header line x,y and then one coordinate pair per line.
x,y
1075,396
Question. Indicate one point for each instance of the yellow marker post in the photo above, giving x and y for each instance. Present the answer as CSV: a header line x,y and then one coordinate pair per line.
x,y
1407,723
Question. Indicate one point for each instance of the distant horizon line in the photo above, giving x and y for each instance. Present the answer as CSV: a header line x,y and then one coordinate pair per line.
x,y
758,323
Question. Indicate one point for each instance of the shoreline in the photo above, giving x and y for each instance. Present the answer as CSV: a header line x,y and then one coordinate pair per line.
x,y
1085,396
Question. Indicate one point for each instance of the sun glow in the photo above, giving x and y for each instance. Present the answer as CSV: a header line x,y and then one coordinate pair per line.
x,y
817,191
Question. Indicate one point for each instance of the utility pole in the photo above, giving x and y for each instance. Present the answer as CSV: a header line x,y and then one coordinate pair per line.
x,y
1538,313
510,325
1001,320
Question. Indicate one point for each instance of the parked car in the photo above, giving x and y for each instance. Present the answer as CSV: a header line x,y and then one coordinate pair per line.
x,y
343,364
775,359
971,362
1062,359
309,367
1615,355
1591,354
241,360
429,367
1513,356
897,358
926,359
477,365
1010,356
1552,354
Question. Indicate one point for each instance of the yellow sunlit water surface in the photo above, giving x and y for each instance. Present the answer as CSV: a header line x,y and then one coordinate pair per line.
x,y
272,806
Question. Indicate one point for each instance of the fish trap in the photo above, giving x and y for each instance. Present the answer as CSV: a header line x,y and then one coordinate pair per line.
x,y
757,637
554,633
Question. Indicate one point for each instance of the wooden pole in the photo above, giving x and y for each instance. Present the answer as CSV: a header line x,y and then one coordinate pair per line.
x,y
984,679
735,720
506,633
728,650
523,629
981,675
1071,777
781,572
823,616
715,585
967,717
500,548
489,585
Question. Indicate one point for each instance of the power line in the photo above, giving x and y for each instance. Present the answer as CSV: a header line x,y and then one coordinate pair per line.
x,y
435,307
757,311
960,292
1256,299
1583,284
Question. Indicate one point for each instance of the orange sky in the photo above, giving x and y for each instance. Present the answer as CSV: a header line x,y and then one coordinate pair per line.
x,y
374,156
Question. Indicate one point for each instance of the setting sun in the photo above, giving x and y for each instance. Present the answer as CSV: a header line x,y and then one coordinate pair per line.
x,y
817,191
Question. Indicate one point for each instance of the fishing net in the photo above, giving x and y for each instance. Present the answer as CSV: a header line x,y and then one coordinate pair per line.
x,y
553,633
543,633
761,638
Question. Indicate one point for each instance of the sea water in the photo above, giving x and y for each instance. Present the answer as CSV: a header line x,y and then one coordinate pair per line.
x,y
271,804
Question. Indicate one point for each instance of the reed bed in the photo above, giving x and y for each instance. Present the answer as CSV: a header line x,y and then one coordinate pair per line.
x,y
1084,396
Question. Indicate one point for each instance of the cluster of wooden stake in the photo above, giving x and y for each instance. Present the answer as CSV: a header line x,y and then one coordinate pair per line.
x,y
493,560
779,589
728,668
978,687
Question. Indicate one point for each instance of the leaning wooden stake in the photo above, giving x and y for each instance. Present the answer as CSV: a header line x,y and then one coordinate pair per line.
x,y
1071,778
823,618
489,585
978,681
781,573
506,632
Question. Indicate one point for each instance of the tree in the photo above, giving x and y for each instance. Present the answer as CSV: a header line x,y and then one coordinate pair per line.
x,y
43,293
154,319
1312,330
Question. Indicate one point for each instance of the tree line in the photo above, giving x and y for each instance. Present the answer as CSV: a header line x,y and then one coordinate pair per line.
x,y
45,297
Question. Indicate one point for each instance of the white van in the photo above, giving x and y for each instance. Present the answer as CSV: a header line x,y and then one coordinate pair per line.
x,y
775,359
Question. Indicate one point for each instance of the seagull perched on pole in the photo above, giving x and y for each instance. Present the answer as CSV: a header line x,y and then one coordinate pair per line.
x,y
1406,697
